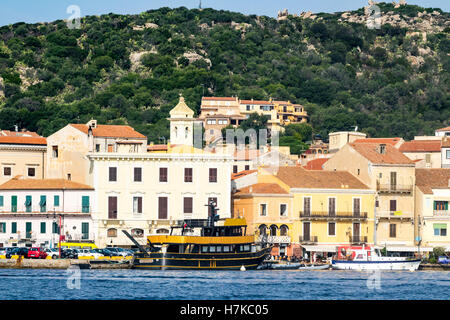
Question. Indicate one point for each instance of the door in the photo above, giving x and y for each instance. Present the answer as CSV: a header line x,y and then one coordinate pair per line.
x,y
162,208
356,233
85,206
393,180
392,206
332,207
306,231
112,207
356,207
85,230
306,207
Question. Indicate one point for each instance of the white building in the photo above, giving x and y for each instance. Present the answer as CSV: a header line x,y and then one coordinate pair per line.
x,y
30,211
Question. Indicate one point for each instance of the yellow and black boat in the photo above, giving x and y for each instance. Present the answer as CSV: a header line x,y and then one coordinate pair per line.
x,y
201,244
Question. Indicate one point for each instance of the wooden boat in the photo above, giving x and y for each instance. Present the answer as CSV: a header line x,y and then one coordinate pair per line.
x,y
202,245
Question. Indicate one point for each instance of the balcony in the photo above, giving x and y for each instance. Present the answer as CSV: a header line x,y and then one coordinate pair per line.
x,y
320,215
394,188
276,239
358,239
441,213
308,239
43,210
394,215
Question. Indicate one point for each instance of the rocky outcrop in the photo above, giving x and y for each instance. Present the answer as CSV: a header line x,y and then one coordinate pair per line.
x,y
148,25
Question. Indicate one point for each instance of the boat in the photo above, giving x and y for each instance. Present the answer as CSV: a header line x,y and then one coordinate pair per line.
x,y
202,245
369,258
314,267
284,266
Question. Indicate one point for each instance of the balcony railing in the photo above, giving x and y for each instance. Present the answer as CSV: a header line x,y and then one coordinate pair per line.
x,y
308,239
37,209
358,239
442,213
331,215
276,239
394,188
394,214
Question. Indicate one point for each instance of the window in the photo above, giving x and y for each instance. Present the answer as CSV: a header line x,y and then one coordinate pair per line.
x,y
28,202
112,207
356,207
110,148
69,176
213,175
359,171
112,174
43,227
440,229
263,209
448,154
392,206
7,171
332,207
162,208
13,227
97,148
247,167
392,230
137,174
187,205
162,174
2,227
56,201
43,204
235,169
112,233
13,203
213,200
307,206
1,201
284,230
85,205
137,204
31,172
187,174
283,210
55,228
55,151
440,205
85,230
331,228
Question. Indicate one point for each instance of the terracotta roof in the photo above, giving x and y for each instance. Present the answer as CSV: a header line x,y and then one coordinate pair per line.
x,y
241,174
316,164
42,184
218,115
23,140
391,155
428,179
19,133
219,98
246,154
443,129
157,147
391,141
298,177
421,146
258,102
262,188
111,131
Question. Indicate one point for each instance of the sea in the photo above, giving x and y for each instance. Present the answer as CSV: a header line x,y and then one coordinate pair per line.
x,y
129,284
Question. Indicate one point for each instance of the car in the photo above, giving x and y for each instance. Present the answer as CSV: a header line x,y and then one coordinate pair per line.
x,y
444,260
69,254
88,253
52,252
3,251
105,252
17,251
119,251
37,253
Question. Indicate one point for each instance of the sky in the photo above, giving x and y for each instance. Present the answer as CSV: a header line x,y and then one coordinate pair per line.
x,y
32,11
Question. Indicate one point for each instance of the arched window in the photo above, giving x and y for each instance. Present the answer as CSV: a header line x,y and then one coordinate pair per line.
x,y
186,132
112,233
284,230
176,132
163,231
273,230
139,233
262,229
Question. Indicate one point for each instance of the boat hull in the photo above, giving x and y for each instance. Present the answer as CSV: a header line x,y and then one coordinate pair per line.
x,y
174,261
410,265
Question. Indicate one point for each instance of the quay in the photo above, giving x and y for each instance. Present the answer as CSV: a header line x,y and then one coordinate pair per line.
x,y
63,264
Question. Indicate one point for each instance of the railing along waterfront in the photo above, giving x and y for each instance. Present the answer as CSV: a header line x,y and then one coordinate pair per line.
x,y
333,215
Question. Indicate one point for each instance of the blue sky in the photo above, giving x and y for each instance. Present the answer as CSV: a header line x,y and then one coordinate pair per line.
x,y
31,11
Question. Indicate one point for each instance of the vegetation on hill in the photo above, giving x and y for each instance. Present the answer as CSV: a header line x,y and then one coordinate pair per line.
x,y
130,69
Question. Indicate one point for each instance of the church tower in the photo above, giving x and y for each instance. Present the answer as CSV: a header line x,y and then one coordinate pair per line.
x,y
182,124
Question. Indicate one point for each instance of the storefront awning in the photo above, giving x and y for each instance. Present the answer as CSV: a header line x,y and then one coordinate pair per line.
x,y
323,248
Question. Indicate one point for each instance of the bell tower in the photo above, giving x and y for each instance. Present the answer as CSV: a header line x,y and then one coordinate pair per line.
x,y
182,124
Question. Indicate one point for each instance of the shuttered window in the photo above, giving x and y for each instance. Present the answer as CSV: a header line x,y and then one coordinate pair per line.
x,y
307,206
235,169
85,204
162,174
331,228
1,201
13,227
43,227
85,230
392,230
212,175
28,201
112,174
13,203
137,174
393,205
112,207
137,204
56,201
187,174
356,207
187,205
43,204
162,208
332,207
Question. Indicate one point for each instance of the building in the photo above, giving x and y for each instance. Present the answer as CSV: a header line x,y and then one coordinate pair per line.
x,y
67,148
395,142
262,107
428,152
324,209
443,132
445,152
22,153
339,139
148,192
220,112
432,208
392,175
30,211
289,113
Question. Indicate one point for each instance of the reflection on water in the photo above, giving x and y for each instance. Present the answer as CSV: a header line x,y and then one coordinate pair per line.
x,y
222,285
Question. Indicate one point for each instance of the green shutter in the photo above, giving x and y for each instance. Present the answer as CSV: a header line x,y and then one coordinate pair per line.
x,y
28,202
1,201
85,204
28,229
13,227
43,204
2,227
43,225
13,203
56,201
85,230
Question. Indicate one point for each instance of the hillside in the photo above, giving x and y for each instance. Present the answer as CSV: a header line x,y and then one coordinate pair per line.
x,y
131,68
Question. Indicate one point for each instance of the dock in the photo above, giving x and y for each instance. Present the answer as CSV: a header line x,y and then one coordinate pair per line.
x,y
63,264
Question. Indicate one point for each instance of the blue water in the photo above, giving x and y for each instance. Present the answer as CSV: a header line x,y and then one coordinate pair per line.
x,y
206,285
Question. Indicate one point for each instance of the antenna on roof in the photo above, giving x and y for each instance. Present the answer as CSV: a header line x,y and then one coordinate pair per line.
x,y
200,5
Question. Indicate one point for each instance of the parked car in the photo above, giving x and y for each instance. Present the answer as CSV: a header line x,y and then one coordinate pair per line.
x,y
17,251
69,254
52,252
2,251
105,252
37,253
119,251
88,253
444,260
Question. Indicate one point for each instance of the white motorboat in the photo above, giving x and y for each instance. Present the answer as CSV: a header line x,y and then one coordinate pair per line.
x,y
367,258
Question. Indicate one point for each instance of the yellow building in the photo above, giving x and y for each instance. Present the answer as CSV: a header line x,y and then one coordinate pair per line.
x,y
432,211
326,209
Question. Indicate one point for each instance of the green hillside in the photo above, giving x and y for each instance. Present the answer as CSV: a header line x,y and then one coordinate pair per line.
x,y
130,69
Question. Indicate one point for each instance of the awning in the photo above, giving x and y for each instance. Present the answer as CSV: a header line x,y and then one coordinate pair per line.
x,y
323,248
